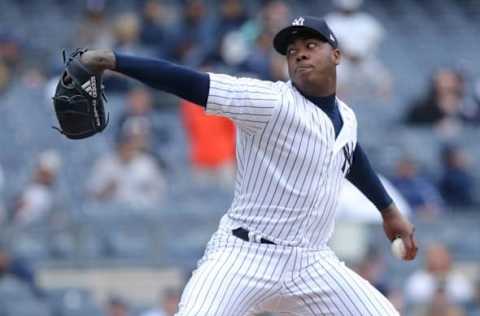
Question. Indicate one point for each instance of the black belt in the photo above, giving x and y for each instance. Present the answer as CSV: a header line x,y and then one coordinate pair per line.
x,y
242,233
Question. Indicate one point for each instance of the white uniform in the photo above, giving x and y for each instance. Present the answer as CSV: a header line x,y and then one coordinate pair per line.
x,y
290,171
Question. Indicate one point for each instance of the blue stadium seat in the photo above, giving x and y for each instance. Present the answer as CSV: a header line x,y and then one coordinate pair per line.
x,y
27,308
14,290
72,302
129,241
31,245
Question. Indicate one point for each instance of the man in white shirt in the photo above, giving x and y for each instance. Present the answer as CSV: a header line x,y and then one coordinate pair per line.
x,y
128,175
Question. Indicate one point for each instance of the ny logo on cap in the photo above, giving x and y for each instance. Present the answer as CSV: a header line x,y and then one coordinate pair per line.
x,y
298,21
332,38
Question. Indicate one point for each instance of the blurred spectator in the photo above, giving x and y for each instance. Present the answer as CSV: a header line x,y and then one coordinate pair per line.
x,y
440,306
93,30
259,34
274,15
10,58
361,73
34,77
193,39
232,16
128,175
126,31
446,105
457,184
168,304
233,50
258,62
212,144
153,31
230,46
10,50
438,277
4,77
117,306
39,197
20,269
419,192
140,116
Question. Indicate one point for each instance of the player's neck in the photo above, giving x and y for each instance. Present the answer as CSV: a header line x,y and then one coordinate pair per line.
x,y
326,88
319,93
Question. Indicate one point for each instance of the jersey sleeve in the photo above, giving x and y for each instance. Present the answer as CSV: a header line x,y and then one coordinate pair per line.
x,y
250,103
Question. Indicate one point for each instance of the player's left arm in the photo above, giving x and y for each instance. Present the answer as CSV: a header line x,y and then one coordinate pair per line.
x,y
250,103
362,175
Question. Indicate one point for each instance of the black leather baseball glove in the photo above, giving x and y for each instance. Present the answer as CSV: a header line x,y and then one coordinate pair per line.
x,y
78,99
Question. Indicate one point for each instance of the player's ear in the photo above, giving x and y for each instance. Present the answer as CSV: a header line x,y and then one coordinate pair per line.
x,y
336,56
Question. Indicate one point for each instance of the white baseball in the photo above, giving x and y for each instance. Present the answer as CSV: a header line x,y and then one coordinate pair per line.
x,y
398,248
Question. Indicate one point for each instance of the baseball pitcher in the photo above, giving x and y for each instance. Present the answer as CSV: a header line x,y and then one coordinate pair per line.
x,y
296,145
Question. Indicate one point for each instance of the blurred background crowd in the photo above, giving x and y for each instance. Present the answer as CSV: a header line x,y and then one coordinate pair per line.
x,y
114,224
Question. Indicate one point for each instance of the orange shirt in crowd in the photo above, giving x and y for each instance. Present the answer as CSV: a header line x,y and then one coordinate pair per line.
x,y
212,138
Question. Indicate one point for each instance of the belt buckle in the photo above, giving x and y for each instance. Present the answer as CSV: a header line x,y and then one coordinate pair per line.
x,y
249,236
254,237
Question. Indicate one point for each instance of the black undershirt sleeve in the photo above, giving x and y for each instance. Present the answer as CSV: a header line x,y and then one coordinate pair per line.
x,y
159,74
362,176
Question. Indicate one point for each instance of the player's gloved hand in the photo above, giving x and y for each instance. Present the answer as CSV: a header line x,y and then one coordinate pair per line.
x,y
79,97
396,225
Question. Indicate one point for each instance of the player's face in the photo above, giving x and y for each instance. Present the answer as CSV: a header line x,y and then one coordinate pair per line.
x,y
312,63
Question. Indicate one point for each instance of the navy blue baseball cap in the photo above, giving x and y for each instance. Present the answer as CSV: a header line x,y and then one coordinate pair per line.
x,y
304,25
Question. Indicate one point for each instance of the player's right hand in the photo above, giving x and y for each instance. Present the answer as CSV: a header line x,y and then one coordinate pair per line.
x,y
396,225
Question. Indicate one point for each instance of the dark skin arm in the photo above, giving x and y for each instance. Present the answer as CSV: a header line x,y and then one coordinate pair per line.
x,y
396,225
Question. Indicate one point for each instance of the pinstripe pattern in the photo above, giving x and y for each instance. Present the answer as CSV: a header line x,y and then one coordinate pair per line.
x,y
291,168
290,164
233,277
328,287
238,278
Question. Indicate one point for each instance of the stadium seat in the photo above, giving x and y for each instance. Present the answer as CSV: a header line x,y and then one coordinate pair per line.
x,y
12,289
72,302
27,308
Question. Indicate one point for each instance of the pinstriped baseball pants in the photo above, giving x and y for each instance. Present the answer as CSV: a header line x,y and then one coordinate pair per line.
x,y
239,278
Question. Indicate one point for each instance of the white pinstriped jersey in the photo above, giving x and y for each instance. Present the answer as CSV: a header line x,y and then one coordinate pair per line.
x,y
290,165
